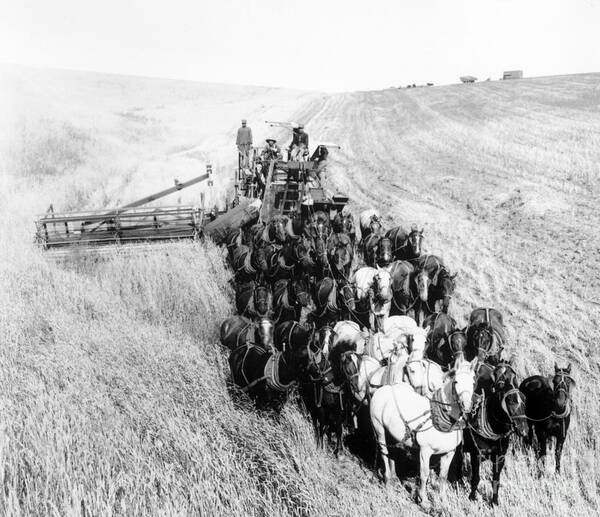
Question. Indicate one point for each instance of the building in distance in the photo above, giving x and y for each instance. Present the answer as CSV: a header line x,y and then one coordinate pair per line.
x,y
468,79
513,74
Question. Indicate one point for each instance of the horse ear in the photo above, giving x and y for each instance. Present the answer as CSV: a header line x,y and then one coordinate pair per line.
x,y
421,232
452,277
555,368
569,368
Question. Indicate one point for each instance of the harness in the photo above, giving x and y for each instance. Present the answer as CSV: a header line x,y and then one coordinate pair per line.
x,y
441,418
408,431
331,304
270,372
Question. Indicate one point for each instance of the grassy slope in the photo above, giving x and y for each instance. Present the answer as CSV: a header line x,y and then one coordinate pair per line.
x,y
115,394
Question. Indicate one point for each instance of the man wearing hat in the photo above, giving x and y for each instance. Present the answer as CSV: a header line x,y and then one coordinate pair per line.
x,y
299,145
244,142
271,150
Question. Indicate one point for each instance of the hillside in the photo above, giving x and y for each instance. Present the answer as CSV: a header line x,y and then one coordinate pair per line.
x,y
115,394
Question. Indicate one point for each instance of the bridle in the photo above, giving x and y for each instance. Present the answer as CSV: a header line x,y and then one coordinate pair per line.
x,y
449,337
563,386
415,238
457,395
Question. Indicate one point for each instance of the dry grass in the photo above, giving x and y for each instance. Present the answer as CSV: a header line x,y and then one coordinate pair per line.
x,y
115,394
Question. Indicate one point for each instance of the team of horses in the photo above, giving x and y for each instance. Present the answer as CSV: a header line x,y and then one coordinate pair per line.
x,y
363,325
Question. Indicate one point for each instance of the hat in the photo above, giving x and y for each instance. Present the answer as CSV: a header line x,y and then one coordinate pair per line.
x,y
271,140
300,126
243,121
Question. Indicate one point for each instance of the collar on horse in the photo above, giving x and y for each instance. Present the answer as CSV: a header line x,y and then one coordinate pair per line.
x,y
441,415
480,424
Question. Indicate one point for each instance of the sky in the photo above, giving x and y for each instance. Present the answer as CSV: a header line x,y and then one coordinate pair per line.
x,y
329,45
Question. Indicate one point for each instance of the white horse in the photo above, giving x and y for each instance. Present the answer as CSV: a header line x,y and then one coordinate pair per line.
x,y
374,293
409,419
403,324
425,376
350,332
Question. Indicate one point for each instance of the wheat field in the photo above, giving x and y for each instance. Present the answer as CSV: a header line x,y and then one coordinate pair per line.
x,y
115,393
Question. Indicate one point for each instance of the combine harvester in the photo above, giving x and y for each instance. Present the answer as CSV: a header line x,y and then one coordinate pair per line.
x,y
262,190
131,223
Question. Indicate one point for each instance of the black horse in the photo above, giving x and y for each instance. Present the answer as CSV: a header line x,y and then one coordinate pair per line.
x,y
405,245
267,377
252,299
500,411
334,301
549,408
322,266
377,250
404,296
322,393
486,336
282,260
445,343
309,262
237,331
275,232
289,297
318,225
344,224
325,400
340,254
434,283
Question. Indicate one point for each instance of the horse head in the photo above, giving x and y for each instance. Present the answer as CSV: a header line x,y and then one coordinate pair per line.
x,y
423,283
446,285
384,251
316,362
415,241
277,229
375,226
265,333
457,342
324,338
321,252
463,384
304,252
417,340
299,292
562,383
350,368
340,256
512,401
337,224
485,341
261,299
258,259
382,285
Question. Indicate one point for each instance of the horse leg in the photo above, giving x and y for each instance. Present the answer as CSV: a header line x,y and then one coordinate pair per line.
x,y
498,465
560,440
339,428
542,443
388,464
445,461
475,462
529,439
424,457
